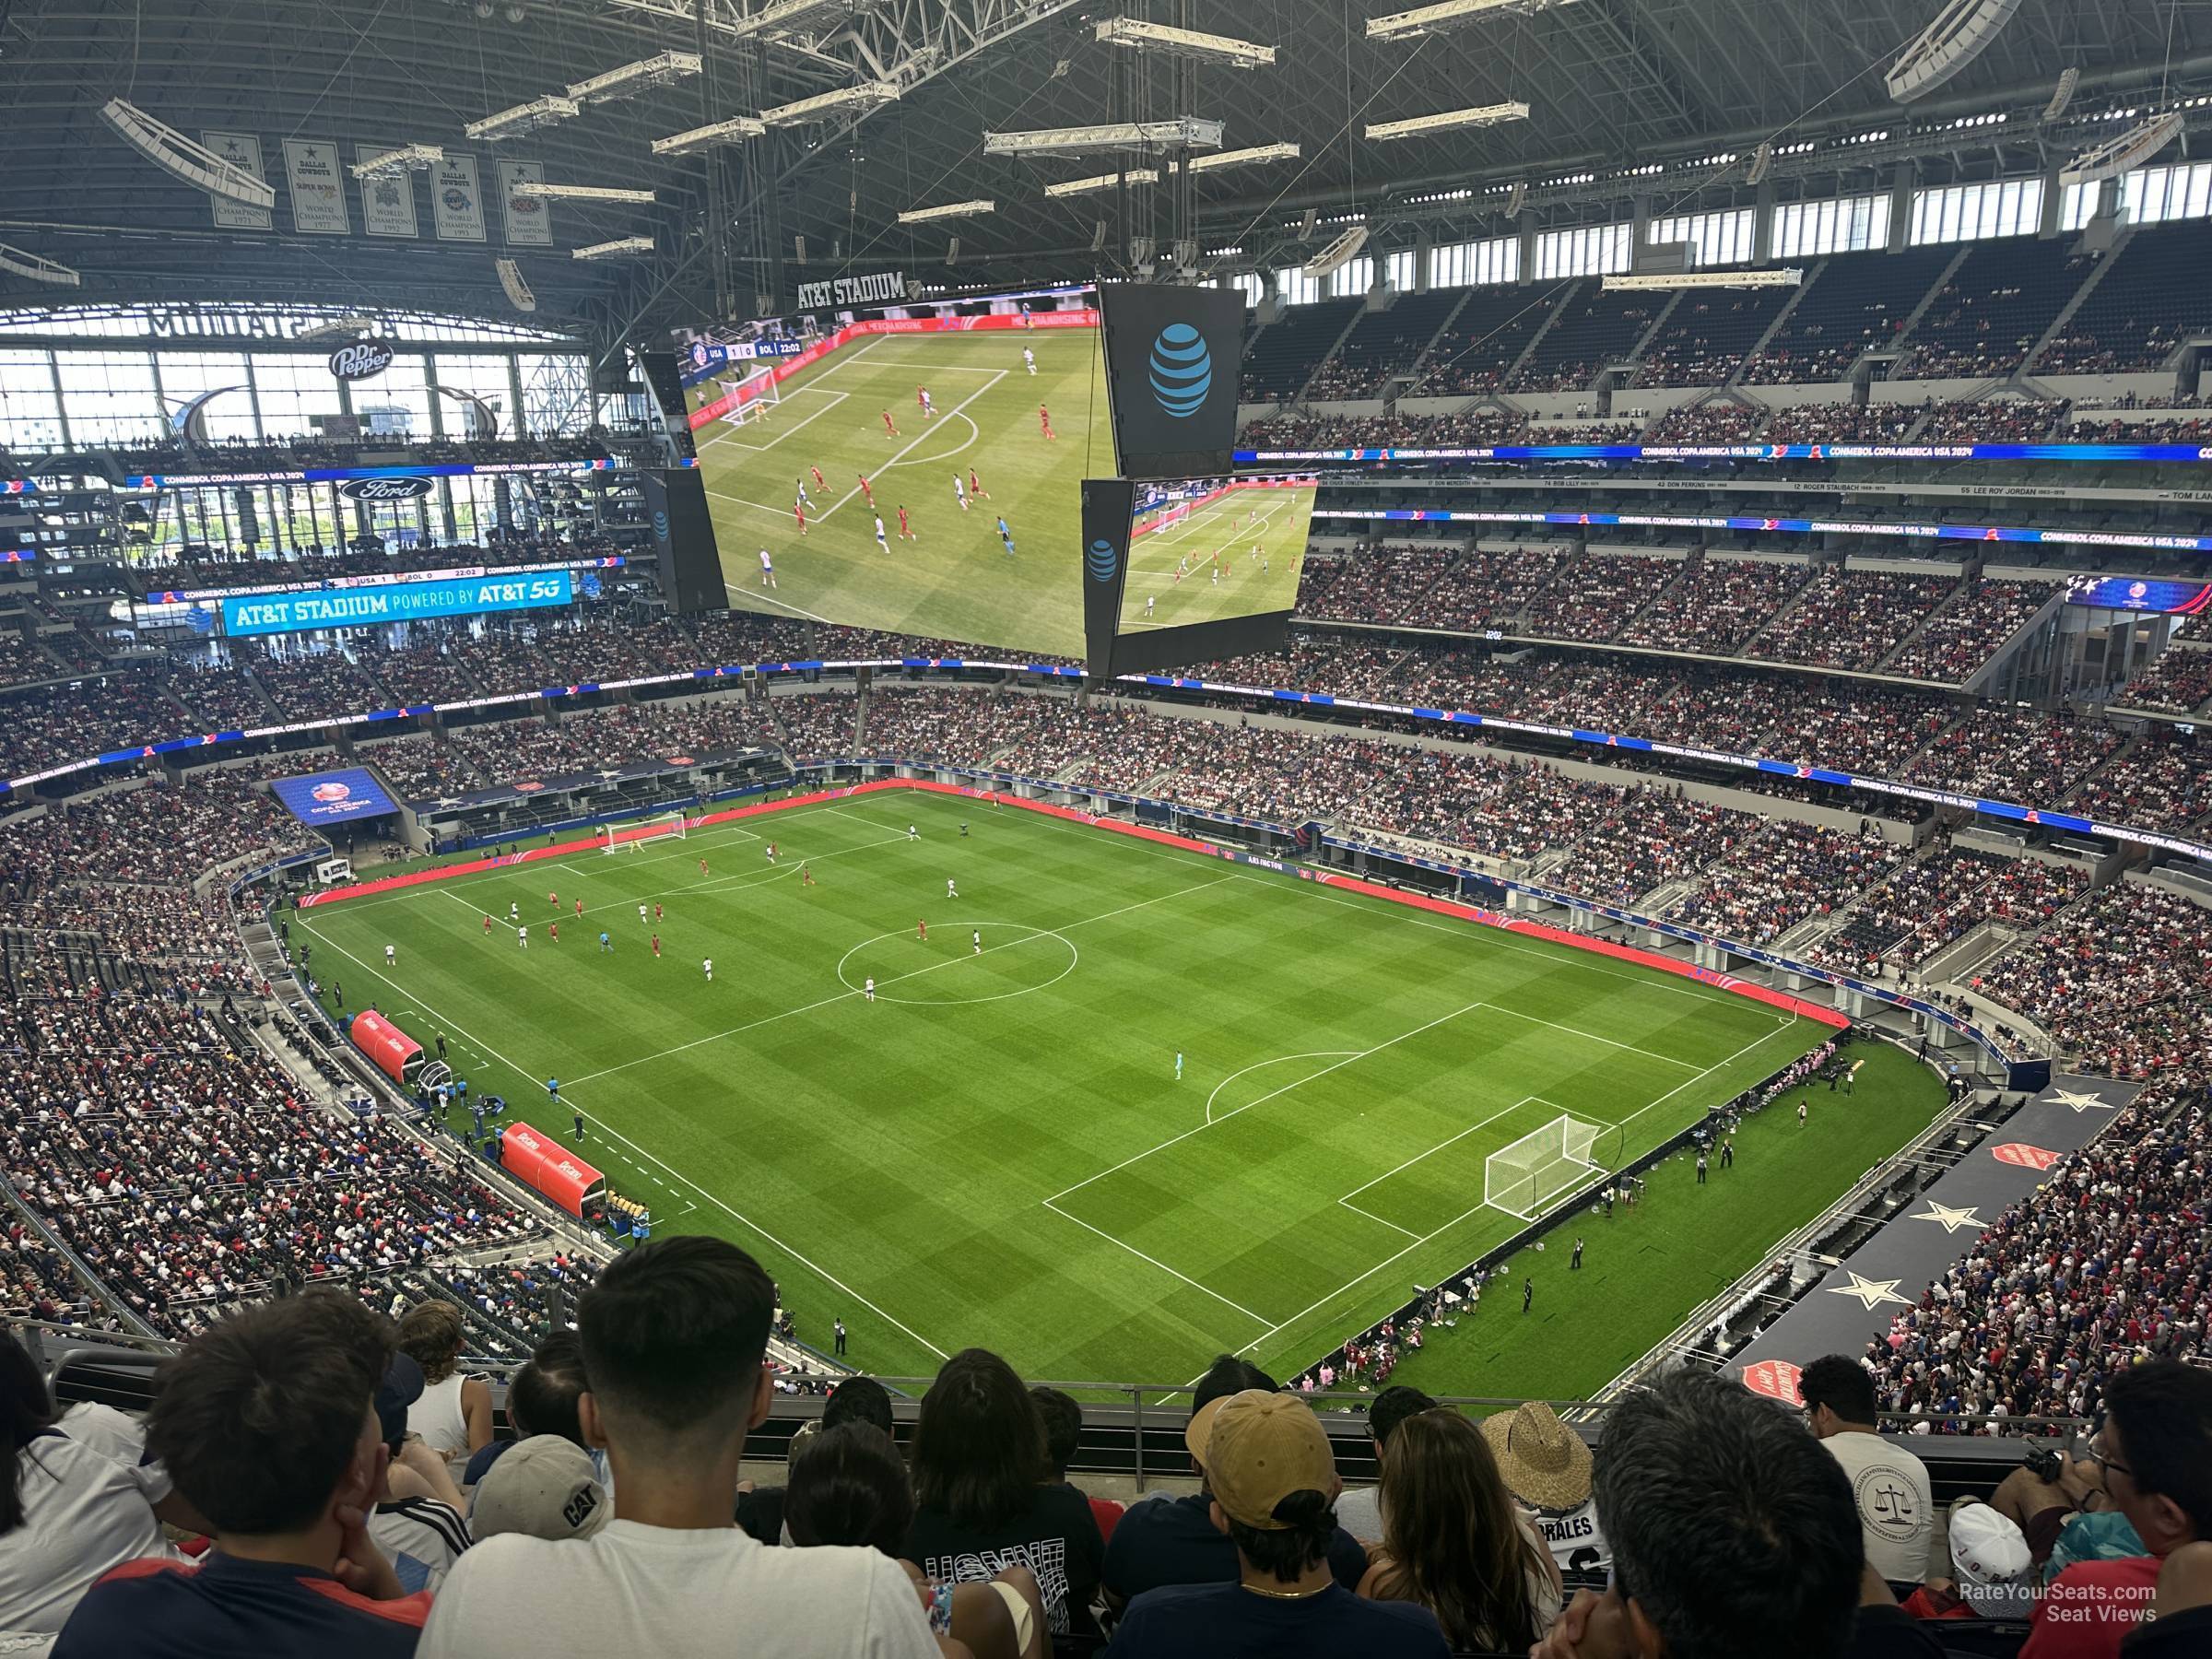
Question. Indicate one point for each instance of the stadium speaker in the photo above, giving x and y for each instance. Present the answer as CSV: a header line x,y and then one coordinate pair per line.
x,y
248,519
663,381
952,252
1516,199
1097,236
1306,225
798,248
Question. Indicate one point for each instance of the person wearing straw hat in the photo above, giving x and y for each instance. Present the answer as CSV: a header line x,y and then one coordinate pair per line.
x,y
1546,1468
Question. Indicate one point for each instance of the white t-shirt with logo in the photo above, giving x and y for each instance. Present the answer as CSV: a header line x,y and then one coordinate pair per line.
x,y
83,1512
1896,1510
674,1593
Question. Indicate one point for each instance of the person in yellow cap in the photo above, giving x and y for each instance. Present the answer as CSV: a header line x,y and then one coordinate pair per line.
x,y
1274,1485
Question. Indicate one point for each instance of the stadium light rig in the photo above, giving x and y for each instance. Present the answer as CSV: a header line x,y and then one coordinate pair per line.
x,y
1449,121
842,100
1787,277
2118,155
795,17
660,70
1073,187
1451,14
922,215
614,250
1244,158
582,193
1960,34
1188,133
1185,43
410,158
37,268
706,138
523,118
194,163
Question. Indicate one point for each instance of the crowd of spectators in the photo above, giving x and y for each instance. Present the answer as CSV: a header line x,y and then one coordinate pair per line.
x,y
1991,421
251,454
2162,782
1718,605
1717,420
159,834
2036,756
1598,595
1789,874
1853,619
1841,423
1927,903
2179,681
1963,634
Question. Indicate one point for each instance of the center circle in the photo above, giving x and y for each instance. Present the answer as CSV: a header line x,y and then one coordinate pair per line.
x,y
911,975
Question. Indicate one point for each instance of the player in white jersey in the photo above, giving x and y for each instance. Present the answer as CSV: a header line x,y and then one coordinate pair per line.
x,y
391,955
912,833
976,939
1148,607
951,891
881,540
522,938
960,491
871,990
707,966
1029,359
640,912
800,485
768,569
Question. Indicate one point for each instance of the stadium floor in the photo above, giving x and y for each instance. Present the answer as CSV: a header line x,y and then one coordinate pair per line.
x,y
998,1152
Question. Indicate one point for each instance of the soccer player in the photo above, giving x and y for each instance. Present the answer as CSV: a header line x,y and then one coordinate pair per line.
x,y
771,850
820,482
1802,1108
641,913
1029,358
798,512
1148,607
553,900
950,890
768,569
707,966
606,943
906,531
806,875
960,491
881,540
800,485
391,956
487,924
975,487
702,867
656,911
553,932
514,912
921,930
1044,416
657,948
976,939
553,1089
912,833
929,410
866,491
888,427
1005,537
522,938
579,910
1178,1066
870,992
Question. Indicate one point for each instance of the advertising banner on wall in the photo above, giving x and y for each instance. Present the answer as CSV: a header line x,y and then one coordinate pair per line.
x,y
318,188
456,200
395,602
242,150
388,198
529,220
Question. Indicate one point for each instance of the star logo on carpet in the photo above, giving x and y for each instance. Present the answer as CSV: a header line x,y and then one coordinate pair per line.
x,y
1949,1219
2079,1102
1872,1293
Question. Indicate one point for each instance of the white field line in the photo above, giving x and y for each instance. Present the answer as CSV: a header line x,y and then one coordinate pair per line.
x,y
727,434
1439,1145
918,438
1140,1255
1258,1064
685,1184
738,500
768,596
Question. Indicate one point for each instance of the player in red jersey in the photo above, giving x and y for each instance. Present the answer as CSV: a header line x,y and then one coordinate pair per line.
x,y
866,491
657,948
975,486
656,912
1044,416
799,512
820,482
553,900
579,910
553,932
922,930
806,875
487,924
887,426
905,531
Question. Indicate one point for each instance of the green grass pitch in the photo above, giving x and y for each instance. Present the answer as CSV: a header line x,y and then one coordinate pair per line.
x,y
998,1150
1255,538
954,580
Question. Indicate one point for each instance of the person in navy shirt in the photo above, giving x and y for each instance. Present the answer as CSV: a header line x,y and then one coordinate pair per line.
x,y
267,1425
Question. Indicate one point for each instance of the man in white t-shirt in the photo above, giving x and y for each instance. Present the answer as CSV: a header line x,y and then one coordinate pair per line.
x,y
1889,1485
675,1334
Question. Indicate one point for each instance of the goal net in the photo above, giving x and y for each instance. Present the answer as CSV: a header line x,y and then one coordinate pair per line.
x,y
751,399
1520,1179
673,827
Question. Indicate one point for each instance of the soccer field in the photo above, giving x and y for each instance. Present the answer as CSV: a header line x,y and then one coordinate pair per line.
x,y
998,1152
1255,536
953,580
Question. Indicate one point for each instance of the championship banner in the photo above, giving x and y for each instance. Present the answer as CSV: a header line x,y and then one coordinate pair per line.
x,y
318,188
457,200
529,220
242,150
332,797
387,198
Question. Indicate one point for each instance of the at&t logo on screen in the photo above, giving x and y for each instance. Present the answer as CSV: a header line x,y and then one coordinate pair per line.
x,y
1183,370
1099,560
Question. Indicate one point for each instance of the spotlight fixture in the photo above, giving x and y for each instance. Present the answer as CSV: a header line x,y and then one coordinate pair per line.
x,y
1185,43
582,193
1452,14
1188,133
1787,277
1450,121
37,268
2116,155
1072,187
412,158
614,250
824,106
194,163
1953,41
523,118
643,76
706,138
1244,158
922,215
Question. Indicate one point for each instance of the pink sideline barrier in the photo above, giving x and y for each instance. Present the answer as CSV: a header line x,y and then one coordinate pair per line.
x,y
1442,907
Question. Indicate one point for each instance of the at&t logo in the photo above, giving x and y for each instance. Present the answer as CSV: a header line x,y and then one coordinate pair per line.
x,y
1101,559
1183,370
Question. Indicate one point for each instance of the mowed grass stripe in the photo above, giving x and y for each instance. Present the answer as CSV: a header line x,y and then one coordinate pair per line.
x,y
907,1149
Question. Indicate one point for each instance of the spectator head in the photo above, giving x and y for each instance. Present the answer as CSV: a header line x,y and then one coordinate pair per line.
x,y
26,1409
541,1398
859,1400
1838,1396
546,1487
2155,1450
674,1336
979,1443
265,1422
430,1332
398,1388
1392,1406
1063,1428
1226,1376
1273,1479
851,1489
1728,1523
1990,1559
1449,1530
1543,1464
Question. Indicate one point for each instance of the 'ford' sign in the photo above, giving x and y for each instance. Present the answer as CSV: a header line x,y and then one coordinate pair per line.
x,y
384,489
364,359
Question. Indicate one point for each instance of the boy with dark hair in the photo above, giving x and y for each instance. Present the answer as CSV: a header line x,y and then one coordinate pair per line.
x,y
541,1399
265,1424
1063,1434
674,1339
1360,1512
1897,1512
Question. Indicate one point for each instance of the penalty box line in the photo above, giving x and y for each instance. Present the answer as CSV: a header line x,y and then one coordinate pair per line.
x,y
1417,1157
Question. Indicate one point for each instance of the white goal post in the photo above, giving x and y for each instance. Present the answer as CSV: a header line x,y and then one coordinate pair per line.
x,y
671,826
752,397
1523,1177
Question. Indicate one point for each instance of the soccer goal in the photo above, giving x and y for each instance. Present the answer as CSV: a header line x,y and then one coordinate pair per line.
x,y
751,399
1520,1179
673,827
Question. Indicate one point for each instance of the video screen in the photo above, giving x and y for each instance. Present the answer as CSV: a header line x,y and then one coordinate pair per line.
x,y
1204,549
916,469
